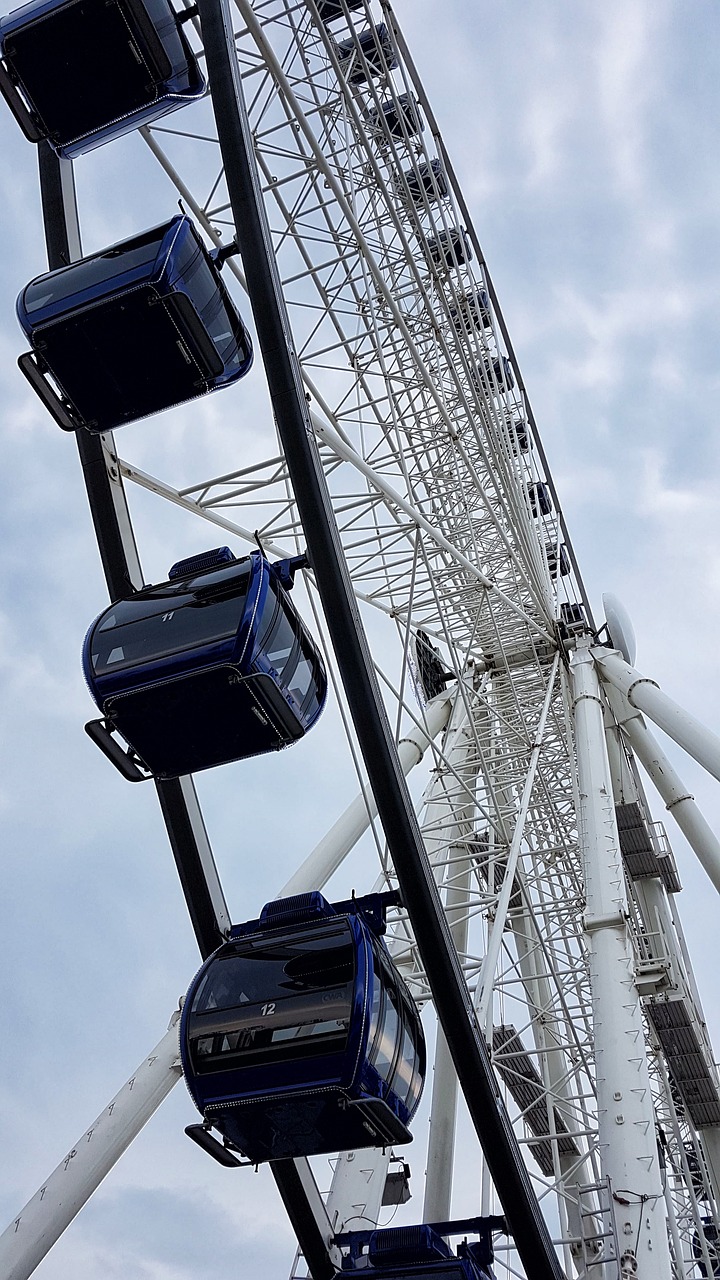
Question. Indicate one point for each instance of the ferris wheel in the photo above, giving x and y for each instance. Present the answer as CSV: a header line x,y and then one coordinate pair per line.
x,y
532,899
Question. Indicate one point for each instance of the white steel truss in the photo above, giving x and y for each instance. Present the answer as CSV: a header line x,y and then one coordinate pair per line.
x,y
450,526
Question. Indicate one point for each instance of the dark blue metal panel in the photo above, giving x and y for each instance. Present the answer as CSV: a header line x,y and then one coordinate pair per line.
x,y
133,330
82,72
205,668
277,1030
421,1252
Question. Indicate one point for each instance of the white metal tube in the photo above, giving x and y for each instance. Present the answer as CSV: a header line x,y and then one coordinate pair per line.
x,y
327,856
443,1110
441,1142
36,1228
625,787
355,1198
329,436
710,1143
625,1113
678,800
646,695
484,989
449,818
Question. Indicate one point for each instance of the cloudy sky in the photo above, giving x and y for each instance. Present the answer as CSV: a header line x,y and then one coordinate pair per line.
x,y
585,137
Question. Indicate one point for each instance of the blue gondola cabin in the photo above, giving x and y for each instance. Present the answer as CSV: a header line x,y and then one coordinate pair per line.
x,y
211,666
450,249
422,1252
298,1035
425,182
81,72
400,116
540,499
367,54
135,329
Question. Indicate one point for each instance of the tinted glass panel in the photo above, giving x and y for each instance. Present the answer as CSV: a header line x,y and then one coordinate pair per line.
x,y
93,271
187,249
275,1001
311,707
383,1051
165,626
415,1089
280,643
453,1270
375,1009
221,326
403,1077
265,970
201,282
209,298
123,357
267,617
301,679
74,88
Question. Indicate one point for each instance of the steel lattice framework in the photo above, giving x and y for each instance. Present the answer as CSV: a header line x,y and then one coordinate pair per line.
x,y
436,471
429,452
450,524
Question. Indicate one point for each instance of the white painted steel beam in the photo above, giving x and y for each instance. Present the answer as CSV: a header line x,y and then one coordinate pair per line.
x,y
334,847
448,823
36,1228
646,695
332,438
710,1143
677,798
356,1193
626,1123
484,989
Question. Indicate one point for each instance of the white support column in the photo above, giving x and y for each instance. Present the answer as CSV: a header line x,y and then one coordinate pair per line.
x,y
448,823
441,1142
328,855
646,695
355,1198
36,1228
679,1272
678,800
625,1114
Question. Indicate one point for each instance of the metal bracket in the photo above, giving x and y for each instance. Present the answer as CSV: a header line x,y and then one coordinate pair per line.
x,y
126,764
20,111
34,368
200,1134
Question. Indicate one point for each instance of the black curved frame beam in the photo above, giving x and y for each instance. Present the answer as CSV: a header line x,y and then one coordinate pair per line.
x,y
121,566
417,884
178,799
